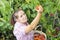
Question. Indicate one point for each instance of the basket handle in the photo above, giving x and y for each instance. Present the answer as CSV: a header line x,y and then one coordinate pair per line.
x,y
38,26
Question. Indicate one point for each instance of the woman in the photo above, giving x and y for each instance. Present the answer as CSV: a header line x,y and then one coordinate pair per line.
x,y
23,30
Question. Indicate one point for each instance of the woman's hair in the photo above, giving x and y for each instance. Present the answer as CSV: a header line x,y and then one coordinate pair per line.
x,y
14,17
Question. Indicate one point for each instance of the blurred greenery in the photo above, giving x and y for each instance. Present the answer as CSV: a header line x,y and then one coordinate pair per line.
x,y
50,17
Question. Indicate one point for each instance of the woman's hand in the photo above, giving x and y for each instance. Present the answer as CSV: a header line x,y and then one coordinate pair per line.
x,y
39,9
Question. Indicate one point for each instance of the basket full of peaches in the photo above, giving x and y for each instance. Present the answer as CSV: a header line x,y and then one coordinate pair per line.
x,y
39,35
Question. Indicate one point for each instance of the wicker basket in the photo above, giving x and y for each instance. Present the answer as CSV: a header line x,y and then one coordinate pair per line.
x,y
40,33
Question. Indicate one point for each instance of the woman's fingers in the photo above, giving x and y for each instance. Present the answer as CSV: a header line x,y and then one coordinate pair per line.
x,y
39,8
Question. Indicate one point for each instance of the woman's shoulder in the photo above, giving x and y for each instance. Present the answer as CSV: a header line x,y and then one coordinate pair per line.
x,y
19,25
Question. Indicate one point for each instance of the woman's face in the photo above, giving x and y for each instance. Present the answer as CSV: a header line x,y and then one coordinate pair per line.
x,y
22,17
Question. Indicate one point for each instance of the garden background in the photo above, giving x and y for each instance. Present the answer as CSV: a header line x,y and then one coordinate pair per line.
x,y
50,20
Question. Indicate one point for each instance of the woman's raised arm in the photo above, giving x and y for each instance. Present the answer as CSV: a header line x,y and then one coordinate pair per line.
x,y
35,21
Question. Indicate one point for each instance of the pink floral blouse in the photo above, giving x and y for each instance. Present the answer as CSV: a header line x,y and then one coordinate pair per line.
x,y
19,32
